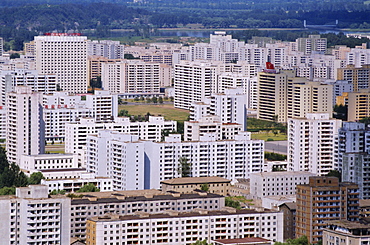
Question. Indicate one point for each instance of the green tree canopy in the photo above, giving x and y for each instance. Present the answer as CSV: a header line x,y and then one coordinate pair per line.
x,y
185,167
35,178
298,241
90,187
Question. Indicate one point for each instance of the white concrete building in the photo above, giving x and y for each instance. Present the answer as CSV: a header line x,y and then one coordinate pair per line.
x,y
76,133
65,56
230,107
134,76
38,82
153,162
73,185
24,124
193,81
66,173
230,159
117,156
185,228
106,48
129,202
236,80
61,108
35,163
276,183
31,217
193,130
311,143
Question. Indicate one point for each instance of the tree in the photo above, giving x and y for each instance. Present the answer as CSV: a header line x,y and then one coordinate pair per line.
x,y
57,192
229,202
160,100
96,82
184,167
204,187
204,242
123,113
7,191
155,100
148,100
298,241
335,173
90,187
14,56
35,178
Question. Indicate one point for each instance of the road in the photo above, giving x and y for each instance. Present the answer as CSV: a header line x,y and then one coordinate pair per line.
x,y
280,147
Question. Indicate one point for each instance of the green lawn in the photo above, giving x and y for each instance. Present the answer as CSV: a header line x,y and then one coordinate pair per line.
x,y
263,135
168,111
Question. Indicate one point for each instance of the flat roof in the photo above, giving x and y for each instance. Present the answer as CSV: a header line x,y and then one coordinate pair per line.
x,y
348,224
195,180
249,240
169,214
119,198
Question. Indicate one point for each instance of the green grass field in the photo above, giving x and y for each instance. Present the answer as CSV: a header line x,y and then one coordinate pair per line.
x,y
266,135
167,111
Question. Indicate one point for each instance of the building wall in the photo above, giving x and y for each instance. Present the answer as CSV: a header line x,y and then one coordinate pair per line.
x,y
65,56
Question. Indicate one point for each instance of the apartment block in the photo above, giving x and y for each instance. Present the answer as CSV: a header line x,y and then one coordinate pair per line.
x,y
358,76
61,108
184,228
38,82
283,96
24,124
94,66
193,82
353,157
154,162
312,44
277,183
132,76
322,200
311,143
130,202
64,55
76,133
106,48
230,159
117,156
193,130
32,217
358,105
230,107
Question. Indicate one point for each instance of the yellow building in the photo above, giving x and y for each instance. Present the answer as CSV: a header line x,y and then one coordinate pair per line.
x,y
358,105
359,76
215,184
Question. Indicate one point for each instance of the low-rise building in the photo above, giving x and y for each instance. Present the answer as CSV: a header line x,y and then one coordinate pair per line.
x,y
242,241
277,183
343,232
75,184
214,184
184,228
289,210
129,202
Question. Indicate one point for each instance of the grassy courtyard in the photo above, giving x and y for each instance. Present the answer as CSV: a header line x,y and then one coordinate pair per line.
x,y
165,110
264,135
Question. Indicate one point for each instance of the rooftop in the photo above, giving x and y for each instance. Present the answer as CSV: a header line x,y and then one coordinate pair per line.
x,y
246,240
169,214
195,180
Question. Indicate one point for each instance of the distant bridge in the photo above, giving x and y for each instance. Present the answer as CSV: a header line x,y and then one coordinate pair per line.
x,y
320,26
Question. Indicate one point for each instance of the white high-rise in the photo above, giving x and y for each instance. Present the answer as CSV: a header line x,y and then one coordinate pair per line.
x,y
25,127
311,143
65,56
32,217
